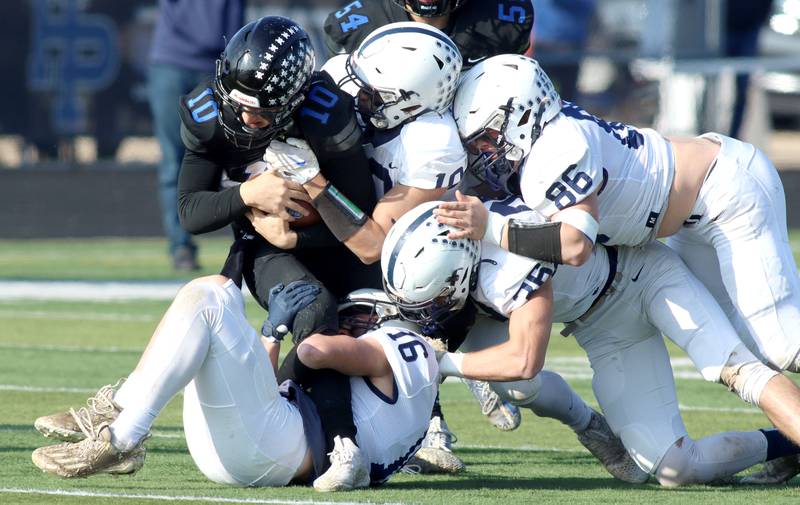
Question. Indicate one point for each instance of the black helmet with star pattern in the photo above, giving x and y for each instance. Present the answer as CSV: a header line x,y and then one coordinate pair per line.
x,y
265,69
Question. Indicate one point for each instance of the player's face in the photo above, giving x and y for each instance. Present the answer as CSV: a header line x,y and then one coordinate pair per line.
x,y
485,143
261,119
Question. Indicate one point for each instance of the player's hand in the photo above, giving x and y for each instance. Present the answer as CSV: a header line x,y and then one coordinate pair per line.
x,y
284,304
292,159
467,214
273,194
273,228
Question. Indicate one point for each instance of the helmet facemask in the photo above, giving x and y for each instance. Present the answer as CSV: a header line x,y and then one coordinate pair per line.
x,y
497,165
373,103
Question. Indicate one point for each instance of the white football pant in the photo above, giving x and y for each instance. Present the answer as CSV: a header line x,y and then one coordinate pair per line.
x,y
239,430
739,249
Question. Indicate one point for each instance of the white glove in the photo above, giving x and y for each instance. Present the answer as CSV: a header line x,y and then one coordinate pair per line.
x,y
293,160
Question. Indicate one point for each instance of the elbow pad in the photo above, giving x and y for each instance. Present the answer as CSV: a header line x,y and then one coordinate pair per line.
x,y
537,241
581,220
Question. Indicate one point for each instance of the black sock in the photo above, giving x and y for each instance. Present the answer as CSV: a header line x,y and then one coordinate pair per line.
x,y
437,408
330,392
778,445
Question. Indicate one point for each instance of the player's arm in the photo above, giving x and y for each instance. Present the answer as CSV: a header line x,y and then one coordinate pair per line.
x,y
366,239
567,238
522,356
201,206
345,354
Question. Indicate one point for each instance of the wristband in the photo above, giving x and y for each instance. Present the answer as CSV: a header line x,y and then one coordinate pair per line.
x,y
451,364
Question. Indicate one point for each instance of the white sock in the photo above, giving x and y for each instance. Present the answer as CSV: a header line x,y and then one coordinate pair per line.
x,y
127,390
557,400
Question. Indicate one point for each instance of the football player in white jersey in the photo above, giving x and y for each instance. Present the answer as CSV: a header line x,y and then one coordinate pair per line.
x,y
429,275
719,200
239,428
617,304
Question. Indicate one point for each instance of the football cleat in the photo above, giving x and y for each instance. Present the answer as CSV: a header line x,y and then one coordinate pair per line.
x,y
94,454
608,449
348,470
502,415
776,471
65,426
435,455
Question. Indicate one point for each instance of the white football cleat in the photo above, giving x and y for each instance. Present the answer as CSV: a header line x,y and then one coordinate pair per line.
x,y
349,469
436,455
503,415
608,449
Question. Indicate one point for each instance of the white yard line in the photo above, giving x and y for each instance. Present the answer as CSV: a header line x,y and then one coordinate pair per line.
x,y
90,291
182,498
52,315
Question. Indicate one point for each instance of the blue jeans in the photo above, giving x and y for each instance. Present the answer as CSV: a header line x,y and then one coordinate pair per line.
x,y
166,83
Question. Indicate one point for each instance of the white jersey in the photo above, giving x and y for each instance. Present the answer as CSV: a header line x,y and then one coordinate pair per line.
x,y
426,153
506,281
630,168
390,430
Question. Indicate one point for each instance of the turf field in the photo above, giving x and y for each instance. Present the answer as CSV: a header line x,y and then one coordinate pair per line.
x,y
54,354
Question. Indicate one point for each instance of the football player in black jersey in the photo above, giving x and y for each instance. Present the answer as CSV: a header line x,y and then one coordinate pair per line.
x,y
480,29
263,93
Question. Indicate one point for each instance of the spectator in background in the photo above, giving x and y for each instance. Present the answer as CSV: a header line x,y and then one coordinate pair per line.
x,y
189,37
743,22
560,32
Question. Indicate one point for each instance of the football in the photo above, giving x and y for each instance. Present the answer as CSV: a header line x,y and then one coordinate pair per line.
x,y
313,216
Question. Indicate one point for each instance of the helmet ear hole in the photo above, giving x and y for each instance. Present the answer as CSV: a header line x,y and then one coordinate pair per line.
x,y
526,116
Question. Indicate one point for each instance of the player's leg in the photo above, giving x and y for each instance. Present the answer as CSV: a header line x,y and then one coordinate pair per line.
x,y
682,309
203,335
549,395
742,205
328,389
636,390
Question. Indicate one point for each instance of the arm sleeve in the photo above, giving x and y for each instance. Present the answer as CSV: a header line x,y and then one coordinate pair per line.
x,y
202,207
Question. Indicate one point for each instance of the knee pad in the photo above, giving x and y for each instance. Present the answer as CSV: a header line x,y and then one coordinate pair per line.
x,y
520,393
675,467
745,375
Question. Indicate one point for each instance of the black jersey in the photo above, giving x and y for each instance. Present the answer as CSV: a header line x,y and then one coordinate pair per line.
x,y
480,29
213,168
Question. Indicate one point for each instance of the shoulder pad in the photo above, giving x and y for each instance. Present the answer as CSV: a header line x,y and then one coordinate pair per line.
x,y
327,118
348,26
491,27
198,111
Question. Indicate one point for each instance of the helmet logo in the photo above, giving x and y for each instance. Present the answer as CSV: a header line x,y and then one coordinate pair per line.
x,y
250,101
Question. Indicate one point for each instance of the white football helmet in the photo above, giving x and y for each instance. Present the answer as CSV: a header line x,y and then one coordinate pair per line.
x,y
427,275
403,70
503,102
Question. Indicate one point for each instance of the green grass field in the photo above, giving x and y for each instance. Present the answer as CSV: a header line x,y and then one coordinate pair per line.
x,y
53,355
